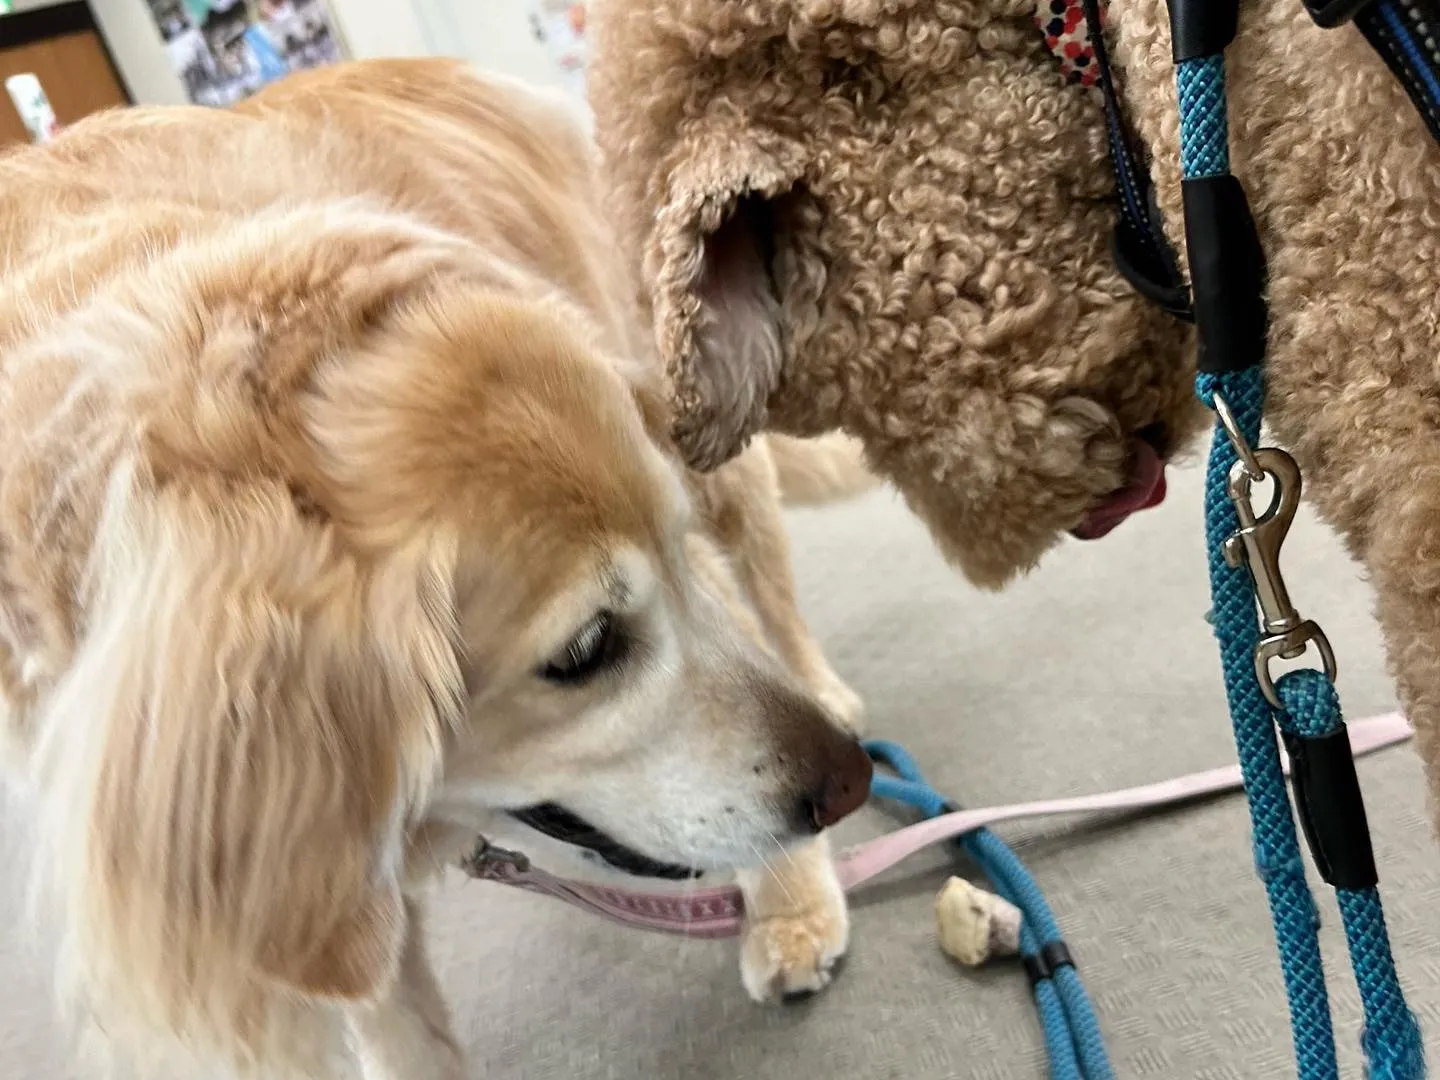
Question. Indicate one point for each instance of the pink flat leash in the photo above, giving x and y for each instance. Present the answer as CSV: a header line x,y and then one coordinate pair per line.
x,y
718,912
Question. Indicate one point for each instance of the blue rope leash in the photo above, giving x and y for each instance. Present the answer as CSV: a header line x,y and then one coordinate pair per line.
x,y
1272,829
1308,716
1072,1032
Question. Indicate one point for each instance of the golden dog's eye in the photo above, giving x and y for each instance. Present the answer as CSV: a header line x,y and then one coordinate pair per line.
x,y
597,646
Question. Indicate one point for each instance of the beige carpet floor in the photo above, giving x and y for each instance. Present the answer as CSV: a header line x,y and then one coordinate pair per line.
x,y
1097,671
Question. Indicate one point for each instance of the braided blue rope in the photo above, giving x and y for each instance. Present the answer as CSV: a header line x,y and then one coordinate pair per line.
x,y
1272,829
1067,1016
1391,1038
1011,880
1204,124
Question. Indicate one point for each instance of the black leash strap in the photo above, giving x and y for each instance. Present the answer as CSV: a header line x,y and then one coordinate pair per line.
x,y
1141,252
1405,33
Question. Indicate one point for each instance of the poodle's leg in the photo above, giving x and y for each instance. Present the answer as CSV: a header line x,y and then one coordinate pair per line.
x,y
796,924
750,528
763,565
408,1035
1404,563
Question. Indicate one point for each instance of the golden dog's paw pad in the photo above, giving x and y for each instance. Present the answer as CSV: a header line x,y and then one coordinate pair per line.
x,y
792,957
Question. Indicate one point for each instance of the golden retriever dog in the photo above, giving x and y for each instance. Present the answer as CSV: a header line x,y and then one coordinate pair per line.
x,y
338,521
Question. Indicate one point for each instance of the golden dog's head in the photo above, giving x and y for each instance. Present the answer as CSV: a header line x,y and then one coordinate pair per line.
x,y
406,550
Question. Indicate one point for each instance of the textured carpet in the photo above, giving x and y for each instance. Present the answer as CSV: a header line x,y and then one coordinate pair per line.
x,y
1098,671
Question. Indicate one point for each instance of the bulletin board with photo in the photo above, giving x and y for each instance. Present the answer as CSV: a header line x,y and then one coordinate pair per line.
x,y
225,50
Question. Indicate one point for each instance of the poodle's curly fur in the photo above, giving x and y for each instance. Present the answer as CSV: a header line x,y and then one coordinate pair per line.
x,y
940,209
940,283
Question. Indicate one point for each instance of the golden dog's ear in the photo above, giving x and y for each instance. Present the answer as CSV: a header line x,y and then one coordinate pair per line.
x,y
253,717
720,293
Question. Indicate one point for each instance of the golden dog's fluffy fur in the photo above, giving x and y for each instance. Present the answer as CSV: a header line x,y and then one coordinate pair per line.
x,y
337,516
928,211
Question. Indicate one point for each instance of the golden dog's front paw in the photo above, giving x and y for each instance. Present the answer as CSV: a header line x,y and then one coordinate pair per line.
x,y
787,957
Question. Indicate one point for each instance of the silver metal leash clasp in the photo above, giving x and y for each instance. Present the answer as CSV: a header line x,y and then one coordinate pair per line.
x,y
1257,545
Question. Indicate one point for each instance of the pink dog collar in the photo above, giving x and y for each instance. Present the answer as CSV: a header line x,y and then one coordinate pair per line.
x,y
719,911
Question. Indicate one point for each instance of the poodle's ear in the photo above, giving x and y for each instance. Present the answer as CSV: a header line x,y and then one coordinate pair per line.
x,y
719,308
253,717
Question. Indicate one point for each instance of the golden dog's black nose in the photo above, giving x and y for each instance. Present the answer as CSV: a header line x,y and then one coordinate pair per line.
x,y
844,787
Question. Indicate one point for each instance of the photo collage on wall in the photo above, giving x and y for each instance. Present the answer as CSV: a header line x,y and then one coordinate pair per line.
x,y
225,50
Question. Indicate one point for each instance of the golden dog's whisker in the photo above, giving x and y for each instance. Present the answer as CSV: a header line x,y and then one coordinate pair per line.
x,y
783,849
774,875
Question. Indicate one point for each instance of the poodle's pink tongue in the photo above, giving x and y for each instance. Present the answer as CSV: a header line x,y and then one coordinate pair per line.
x,y
1145,488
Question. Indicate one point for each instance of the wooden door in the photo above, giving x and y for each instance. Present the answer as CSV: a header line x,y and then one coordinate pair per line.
x,y
73,68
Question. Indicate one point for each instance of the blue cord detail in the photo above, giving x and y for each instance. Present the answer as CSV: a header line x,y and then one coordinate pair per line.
x,y
1418,64
1391,1038
1310,707
1072,1032
1273,835
1204,128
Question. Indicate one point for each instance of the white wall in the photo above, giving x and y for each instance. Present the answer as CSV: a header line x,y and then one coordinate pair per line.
x,y
494,35
139,51
372,28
